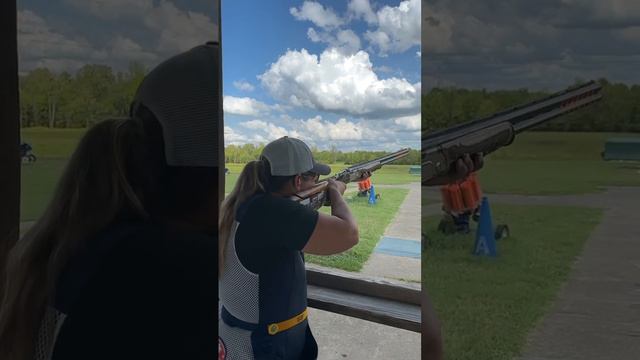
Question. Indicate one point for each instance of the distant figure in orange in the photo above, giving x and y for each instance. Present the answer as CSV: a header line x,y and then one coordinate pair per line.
x,y
364,187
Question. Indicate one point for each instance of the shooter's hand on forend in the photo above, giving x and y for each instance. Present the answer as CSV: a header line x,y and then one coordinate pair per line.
x,y
468,164
338,186
365,176
460,170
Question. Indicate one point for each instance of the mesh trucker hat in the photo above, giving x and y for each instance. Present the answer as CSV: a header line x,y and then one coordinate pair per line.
x,y
290,156
183,92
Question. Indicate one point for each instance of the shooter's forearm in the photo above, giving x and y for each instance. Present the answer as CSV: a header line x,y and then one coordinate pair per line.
x,y
339,207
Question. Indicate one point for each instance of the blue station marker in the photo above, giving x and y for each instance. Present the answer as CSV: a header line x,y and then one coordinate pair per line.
x,y
485,243
399,247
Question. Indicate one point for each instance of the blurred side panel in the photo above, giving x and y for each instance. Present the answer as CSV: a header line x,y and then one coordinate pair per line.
x,y
9,134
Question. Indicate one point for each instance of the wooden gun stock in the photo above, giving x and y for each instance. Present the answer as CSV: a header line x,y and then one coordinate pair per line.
x,y
314,197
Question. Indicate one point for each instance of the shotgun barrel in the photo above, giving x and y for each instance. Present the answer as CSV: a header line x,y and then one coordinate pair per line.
x,y
442,148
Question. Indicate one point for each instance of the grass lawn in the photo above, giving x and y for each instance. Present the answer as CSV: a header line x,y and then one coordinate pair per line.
x,y
52,143
54,146
372,221
540,163
488,306
387,175
38,182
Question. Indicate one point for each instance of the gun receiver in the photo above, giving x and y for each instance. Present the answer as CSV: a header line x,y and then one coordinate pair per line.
x,y
442,148
317,195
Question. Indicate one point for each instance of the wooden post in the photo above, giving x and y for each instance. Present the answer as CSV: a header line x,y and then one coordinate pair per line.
x,y
9,134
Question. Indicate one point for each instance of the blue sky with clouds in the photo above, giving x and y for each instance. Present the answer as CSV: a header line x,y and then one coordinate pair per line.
x,y
334,73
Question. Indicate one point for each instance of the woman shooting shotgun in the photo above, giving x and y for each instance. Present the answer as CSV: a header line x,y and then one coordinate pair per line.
x,y
263,235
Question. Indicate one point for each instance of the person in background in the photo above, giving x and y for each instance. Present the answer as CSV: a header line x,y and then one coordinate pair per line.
x,y
364,187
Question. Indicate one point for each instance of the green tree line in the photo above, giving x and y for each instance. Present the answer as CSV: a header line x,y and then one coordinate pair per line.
x,y
247,152
618,111
64,100
96,92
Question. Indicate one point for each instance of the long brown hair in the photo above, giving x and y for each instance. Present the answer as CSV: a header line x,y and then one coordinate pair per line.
x,y
255,178
117,172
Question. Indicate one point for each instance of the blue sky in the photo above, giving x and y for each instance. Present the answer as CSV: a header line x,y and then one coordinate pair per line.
x,y
333,73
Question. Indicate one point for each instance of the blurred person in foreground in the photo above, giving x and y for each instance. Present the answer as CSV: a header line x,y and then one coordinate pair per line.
x,y
120,265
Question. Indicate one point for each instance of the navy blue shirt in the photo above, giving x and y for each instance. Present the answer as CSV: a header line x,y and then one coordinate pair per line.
x,y
272,227
269,241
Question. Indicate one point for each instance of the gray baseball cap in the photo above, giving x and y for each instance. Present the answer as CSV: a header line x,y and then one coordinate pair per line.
x,y
183,93
289,156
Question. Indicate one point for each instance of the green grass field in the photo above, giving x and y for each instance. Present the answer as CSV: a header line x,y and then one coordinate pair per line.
x,y
387,175
556,163
54,147
52,143
38,182
488,306
372,221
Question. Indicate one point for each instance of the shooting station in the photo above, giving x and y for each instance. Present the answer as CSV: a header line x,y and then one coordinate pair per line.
x,y
374,299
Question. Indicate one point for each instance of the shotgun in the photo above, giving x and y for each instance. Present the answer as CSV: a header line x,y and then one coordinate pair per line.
x,y
317,195
442,148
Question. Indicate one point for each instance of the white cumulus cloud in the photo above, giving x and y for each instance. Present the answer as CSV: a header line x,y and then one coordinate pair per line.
x,y
39,45
124,48
178,30
339,83
411,123
113,9
347,135
346,41
243,85
317,14
362,9
318,129
233,137
437,30
269,130
244,106
398,28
